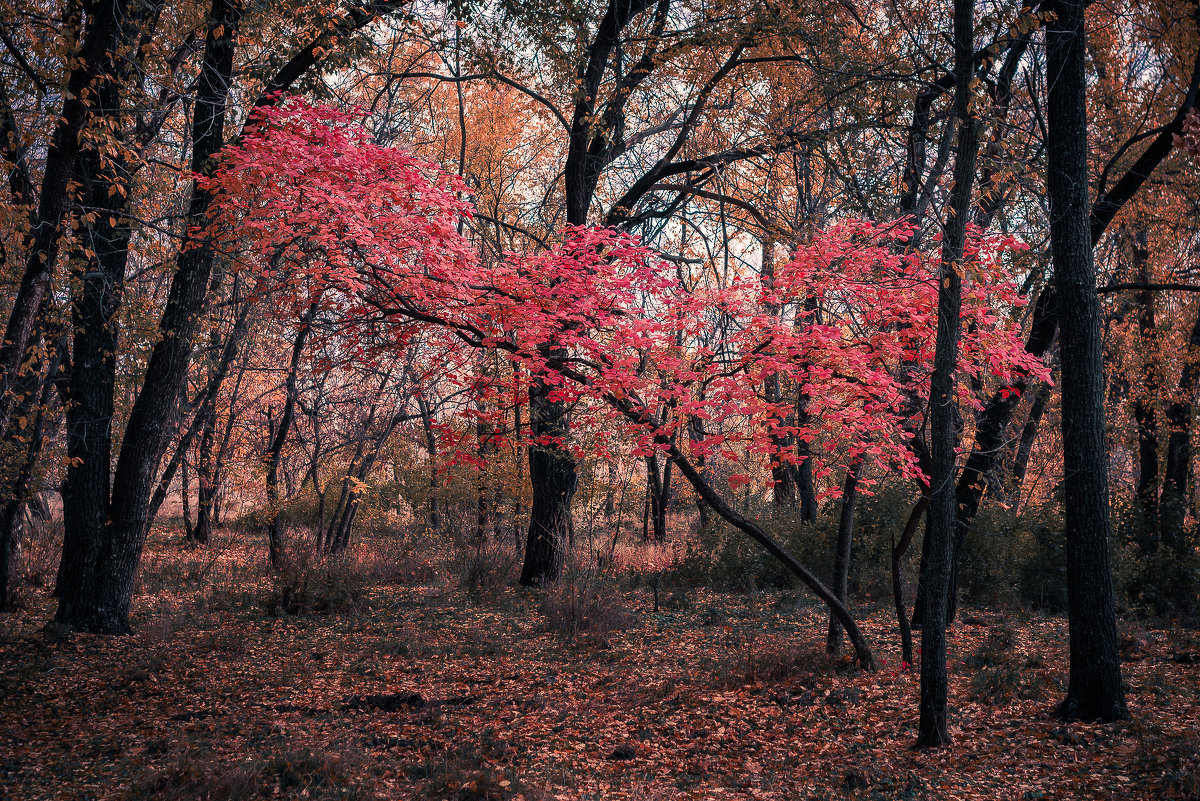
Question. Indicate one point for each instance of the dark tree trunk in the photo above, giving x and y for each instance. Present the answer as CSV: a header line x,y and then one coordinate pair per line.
x,y
989,444
185,497
1177,470
434,515
204,404
101,575
553,478
658,495
97,288
1029,431
1145,411
899,549
206,480
102,39
1095,691
841,555
696,434
998,412
279,435
933,729
101,603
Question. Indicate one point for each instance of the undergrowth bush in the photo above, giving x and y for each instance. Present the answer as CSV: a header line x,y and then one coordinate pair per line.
x,y
574,606
301,774
1157,571
721,557
307,585
1015,557
1003,672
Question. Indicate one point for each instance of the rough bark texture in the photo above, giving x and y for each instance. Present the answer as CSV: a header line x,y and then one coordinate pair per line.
x,y
100,42
933,729
1145,408
1095,691
97,289
553,478
96,585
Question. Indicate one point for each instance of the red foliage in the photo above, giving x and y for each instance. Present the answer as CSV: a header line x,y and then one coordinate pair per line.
x,y
310,201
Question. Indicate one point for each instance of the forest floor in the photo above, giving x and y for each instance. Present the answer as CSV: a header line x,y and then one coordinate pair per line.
x,y
238,686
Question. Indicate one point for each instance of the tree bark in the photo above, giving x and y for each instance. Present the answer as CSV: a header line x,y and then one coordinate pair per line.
x,y
1177,469
1094,691
554,480
279,435
933,729
841,557
1145,411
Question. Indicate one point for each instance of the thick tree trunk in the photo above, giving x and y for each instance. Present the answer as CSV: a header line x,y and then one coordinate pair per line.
x,y
553,478
100,603
102,39
841,555
97,288
1095,691
933,729
999,410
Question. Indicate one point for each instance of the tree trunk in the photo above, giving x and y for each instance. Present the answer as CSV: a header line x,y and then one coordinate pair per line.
x,y
1177,470
102,39
841,558
97,288
899,549
553,478
989,443
206,480
1145,412
1094,691
1029,433
279,435
933,729
434,515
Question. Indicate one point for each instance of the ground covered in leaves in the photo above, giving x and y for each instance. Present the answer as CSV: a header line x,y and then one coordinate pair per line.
x,y
386,683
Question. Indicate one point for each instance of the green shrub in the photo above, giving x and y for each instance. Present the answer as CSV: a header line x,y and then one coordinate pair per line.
x,y
1015,557
723,557
1157,573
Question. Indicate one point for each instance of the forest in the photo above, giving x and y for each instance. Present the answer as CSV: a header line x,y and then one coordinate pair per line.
x,y
631,399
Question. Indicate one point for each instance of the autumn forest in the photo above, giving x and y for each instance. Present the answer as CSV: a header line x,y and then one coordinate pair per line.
x,y
631,399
